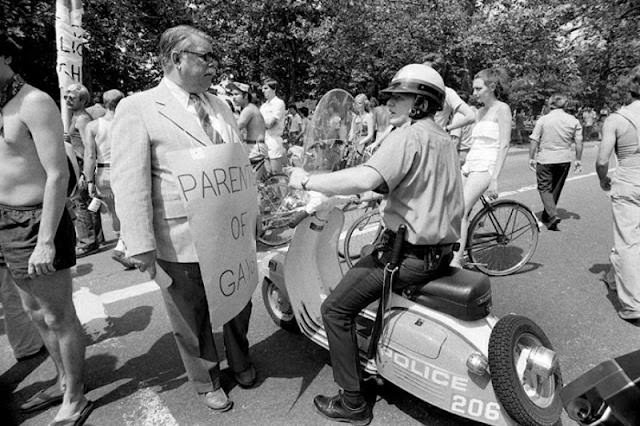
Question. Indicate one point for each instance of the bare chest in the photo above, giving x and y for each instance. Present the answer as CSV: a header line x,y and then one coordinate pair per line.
x,y
15,138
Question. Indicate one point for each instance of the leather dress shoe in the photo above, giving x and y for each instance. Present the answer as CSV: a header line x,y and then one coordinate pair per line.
x,y
246,378
552,225
334,408
217,400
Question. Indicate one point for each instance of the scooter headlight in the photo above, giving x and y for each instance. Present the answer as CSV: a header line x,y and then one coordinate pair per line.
x,y
542,361
478,364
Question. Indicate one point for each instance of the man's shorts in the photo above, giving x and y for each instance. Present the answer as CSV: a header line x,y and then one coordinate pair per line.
x,y
275,148
18,236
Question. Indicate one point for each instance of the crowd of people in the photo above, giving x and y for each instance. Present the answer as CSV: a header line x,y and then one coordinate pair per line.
x,y
428,151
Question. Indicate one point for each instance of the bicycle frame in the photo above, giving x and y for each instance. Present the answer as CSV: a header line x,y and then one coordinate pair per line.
x,y
490,206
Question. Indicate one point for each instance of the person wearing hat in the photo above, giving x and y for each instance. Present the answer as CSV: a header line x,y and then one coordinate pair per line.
x,y
251,125
416,168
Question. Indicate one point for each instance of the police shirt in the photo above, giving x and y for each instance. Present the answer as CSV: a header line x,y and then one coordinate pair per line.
x,y
419,165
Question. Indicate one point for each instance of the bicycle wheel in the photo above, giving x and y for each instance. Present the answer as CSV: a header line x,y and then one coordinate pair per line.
x,y
502,237
361,234
272,192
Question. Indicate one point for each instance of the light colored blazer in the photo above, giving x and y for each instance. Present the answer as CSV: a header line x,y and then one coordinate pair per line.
x,y
146,126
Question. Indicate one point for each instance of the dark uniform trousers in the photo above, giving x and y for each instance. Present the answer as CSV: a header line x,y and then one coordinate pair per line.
x,y
359,287
551,178
186,304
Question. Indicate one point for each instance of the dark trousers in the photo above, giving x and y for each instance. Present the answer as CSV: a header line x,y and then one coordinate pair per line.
x,y
360,286
551,178
87,223
188,311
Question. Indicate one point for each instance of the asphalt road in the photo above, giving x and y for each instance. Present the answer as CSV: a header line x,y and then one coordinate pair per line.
x,y
135,373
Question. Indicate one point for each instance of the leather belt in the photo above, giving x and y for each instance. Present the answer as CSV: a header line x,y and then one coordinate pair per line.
x,y
250,142
420,250
99,165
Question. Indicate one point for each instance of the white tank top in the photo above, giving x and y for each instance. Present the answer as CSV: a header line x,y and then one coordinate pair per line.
x,y
484,147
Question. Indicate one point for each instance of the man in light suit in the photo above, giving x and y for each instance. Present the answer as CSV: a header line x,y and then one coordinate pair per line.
x,y
177,114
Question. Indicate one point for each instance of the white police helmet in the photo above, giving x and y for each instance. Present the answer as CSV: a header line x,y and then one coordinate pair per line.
x,y
418,79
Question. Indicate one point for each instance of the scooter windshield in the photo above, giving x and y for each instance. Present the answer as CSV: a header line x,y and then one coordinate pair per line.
x,y
326,140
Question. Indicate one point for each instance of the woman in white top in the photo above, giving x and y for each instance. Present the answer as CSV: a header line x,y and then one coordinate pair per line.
x,y
489,144
362,129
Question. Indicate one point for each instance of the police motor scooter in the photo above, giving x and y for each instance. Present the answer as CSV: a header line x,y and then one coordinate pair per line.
x,y
437,341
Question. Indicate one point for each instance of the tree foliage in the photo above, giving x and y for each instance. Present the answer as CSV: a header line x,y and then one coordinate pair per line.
x,y
582,47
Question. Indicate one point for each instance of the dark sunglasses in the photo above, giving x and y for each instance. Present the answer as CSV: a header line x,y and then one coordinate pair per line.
x,y
208,57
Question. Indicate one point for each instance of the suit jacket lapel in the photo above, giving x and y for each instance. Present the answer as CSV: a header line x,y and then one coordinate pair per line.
x,y
169,108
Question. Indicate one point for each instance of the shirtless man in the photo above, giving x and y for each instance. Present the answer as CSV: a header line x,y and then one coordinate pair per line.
x,y
252,127
97,167
88,224
40,251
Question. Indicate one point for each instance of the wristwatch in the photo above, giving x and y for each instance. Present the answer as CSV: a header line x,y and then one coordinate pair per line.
x,y
304,182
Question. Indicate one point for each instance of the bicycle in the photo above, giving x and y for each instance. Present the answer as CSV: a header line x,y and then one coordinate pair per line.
x,y
502,237
277,203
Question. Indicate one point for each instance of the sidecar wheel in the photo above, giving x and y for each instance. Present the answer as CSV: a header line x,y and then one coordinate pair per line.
x,y
529,397
278,307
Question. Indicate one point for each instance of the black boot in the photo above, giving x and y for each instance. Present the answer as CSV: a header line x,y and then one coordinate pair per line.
x,y
336,409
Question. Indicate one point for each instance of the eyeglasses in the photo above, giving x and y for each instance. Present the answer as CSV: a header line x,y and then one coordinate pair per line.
x,y
208,57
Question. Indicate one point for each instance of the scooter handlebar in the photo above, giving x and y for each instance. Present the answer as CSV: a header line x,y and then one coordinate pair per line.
x,y
297,217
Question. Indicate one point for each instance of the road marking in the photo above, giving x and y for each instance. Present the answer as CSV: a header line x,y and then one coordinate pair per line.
x,y
535,186
129,292
150,411
88,305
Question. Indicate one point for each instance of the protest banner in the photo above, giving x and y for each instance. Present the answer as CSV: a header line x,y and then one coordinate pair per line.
x,y
69,44
218,189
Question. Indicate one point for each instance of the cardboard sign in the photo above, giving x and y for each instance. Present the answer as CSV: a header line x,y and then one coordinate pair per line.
x,y
218,188
69,42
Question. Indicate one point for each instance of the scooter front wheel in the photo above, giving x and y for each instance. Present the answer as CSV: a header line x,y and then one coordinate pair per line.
x,y
278,306
524,371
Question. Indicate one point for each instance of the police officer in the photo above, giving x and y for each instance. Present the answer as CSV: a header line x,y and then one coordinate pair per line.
x,y
416,168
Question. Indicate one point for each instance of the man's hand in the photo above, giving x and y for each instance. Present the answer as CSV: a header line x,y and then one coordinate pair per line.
x,y
605,183
492,191
82,182
41,260
532,164
296,176
145,262
577,166
93,191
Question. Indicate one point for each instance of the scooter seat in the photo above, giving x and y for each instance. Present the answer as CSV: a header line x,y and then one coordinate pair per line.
x,y
463,294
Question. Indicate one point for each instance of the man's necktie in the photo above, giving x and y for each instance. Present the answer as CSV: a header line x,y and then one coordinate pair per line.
x,y
205,120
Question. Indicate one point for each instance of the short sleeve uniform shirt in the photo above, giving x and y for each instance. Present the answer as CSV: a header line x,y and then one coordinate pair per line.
x,y
419,165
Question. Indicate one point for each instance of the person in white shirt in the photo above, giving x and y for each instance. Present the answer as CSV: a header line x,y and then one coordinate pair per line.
x,y
273,111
